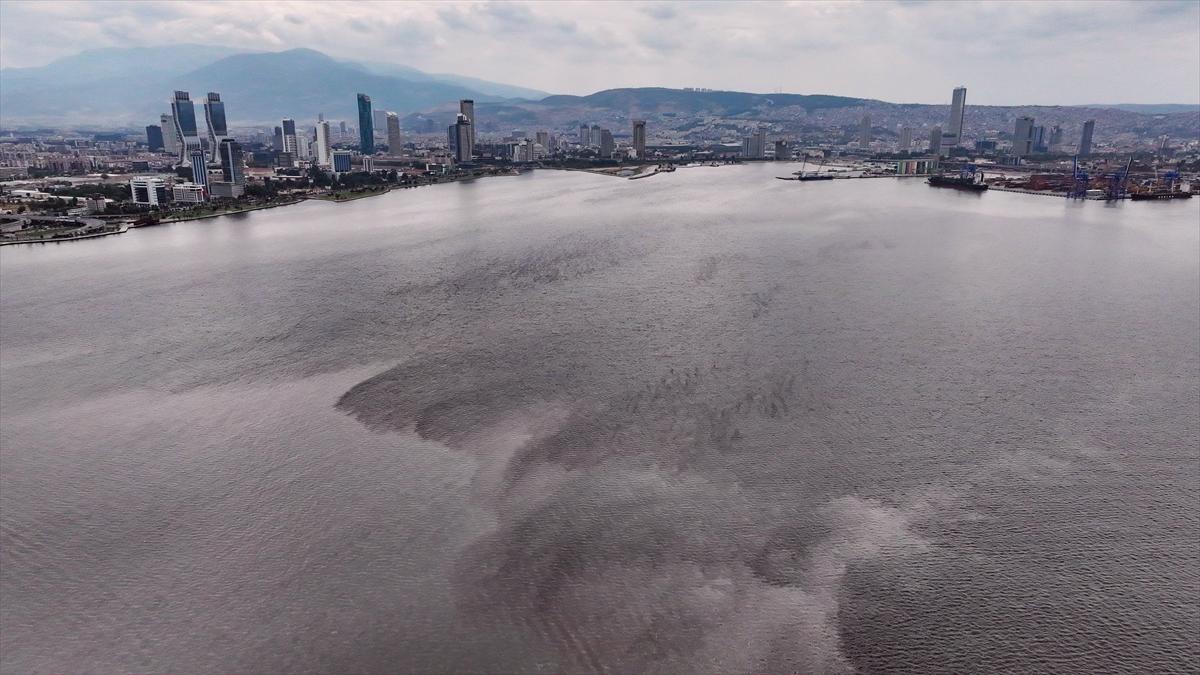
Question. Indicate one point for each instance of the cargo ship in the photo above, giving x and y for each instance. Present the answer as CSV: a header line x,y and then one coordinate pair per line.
x,y
1159,194
967,182
811,176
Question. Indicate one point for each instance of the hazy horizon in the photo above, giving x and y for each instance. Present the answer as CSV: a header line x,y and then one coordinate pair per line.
x,y
1048,53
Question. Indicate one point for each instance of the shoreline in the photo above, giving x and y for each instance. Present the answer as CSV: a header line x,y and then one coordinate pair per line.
x,y
603,172
53,240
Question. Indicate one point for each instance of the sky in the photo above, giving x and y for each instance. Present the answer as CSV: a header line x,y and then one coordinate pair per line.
x,y
1007,53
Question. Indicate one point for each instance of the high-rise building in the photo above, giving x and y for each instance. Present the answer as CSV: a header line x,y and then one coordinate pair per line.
x,y
1039,139
1085,141
1023,137
781,151
585,135
393,133
342,160
214,118
594,136
607,146
958,105
277,142
379,121
864,131
905,139
366,125
639,139
199,169
170,134
754,145
184,112
232,168
935,141
154,137
290,143
760,143
464,148
466,108
342,127
324,156
1056,138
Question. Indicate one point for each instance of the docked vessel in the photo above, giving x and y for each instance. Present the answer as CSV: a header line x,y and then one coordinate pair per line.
x,y
967,179
1159,194
802,176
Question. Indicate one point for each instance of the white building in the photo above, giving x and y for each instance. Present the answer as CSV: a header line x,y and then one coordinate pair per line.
x,y
189,193
324,152
148,190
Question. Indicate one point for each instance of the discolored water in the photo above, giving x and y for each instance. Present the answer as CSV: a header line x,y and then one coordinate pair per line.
x,y
703,422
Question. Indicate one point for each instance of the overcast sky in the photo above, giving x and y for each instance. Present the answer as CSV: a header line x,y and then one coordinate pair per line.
x,y
1005,52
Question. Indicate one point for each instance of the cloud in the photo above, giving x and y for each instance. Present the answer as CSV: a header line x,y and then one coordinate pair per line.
x,y
1007,52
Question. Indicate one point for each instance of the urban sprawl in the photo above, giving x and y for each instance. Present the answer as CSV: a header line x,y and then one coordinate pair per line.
x,y
190,166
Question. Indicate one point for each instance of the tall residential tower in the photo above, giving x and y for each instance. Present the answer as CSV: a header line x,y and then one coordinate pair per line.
x,y
184,112
366,125
214,118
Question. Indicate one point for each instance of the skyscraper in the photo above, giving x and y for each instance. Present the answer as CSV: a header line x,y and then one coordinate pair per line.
x,y
379,121
366,126
466,108
463,139
324,156
290,143
754,145
214,117
639,138
232,170
184,112
393,133
1056,137
1023,137
594,136
935,141
154,137
170,134
905,139
958,106
585,135
607,146
199,169
864,131
1085,141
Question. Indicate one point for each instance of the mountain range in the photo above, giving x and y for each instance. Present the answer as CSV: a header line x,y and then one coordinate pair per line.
x,y
131,86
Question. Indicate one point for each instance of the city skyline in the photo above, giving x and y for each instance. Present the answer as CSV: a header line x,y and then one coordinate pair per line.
x,y
582,49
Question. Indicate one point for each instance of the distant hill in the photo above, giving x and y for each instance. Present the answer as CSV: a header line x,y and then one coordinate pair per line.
x,y
482,86
1147,108
657,99
302,82
132,85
